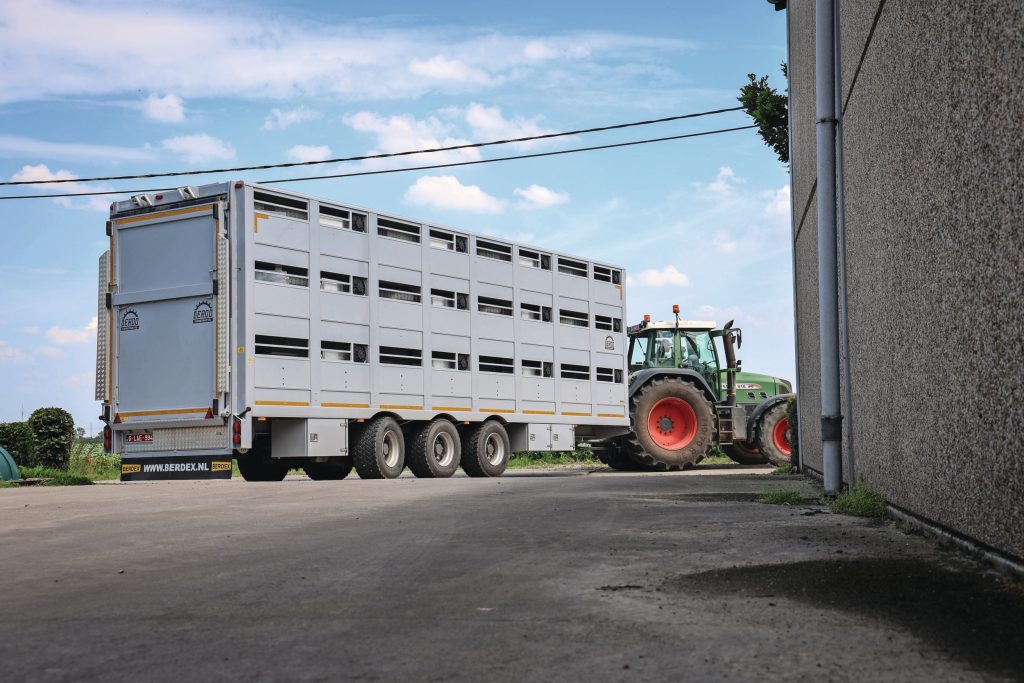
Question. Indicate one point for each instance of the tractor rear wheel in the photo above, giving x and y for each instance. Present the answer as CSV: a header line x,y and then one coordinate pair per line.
x,y
772,435
673,424
745,453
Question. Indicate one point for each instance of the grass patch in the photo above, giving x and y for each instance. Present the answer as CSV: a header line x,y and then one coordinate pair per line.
x,y
88,460
782,498
783,469
861,501
583,456
55,477
4,484
716,456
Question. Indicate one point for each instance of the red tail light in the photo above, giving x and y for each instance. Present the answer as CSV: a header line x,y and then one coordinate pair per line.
x,y
236,432
108,436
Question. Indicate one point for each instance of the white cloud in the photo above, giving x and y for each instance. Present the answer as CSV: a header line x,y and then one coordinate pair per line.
x,y
441,68
724,243
446,192
667,276
199,148
49,352
540,197
723,185
42,172
722,315
61,48
19,146
309,153
778,208
488,123
11,353
404,132
166,109
62,336
283,118
85,379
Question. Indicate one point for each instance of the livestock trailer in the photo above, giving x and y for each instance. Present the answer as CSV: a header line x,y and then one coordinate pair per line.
x,y
239,321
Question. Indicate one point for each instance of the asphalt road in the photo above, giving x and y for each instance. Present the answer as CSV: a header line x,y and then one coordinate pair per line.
x,y
562,575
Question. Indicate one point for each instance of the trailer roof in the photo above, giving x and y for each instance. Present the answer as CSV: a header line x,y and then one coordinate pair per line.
x,y
212,189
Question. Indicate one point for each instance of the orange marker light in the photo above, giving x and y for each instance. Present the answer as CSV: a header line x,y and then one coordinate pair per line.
x,y
675,308
647,317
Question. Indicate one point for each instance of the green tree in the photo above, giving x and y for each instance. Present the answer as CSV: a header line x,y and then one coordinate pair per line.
x,y
770,111
55,436
18,439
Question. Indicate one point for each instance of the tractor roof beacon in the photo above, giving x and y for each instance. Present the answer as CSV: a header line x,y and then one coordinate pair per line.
x,y
683,398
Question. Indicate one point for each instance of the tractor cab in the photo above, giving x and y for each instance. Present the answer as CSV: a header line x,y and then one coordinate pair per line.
x,y
676,344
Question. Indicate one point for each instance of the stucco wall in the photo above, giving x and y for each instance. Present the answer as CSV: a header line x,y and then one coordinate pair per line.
x,y
934,183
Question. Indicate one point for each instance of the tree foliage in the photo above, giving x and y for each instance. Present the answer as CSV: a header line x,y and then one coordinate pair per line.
x,y
18,439
770,111
54,429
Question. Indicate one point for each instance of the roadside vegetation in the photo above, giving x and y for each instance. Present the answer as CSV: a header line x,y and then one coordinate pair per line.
x,y
49,451
861,501
582,456
785,497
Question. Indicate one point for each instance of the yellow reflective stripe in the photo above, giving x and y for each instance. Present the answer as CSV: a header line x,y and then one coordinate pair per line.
x,y
164,214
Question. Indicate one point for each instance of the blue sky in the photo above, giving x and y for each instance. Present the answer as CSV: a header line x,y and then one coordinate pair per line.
x,y
115,87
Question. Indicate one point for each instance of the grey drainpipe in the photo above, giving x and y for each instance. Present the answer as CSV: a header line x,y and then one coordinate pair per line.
x,y
828,295
841,226
793,227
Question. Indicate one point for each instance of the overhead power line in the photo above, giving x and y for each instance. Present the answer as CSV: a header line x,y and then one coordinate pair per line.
x,y
387,155
406,169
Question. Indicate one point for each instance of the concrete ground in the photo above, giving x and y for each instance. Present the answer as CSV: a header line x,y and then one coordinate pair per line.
x,y
538,575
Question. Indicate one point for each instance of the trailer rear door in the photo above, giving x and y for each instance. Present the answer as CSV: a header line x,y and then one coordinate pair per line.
x,y
169,314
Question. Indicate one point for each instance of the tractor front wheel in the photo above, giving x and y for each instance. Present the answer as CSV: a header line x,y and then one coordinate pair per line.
x,y
772,435
673,424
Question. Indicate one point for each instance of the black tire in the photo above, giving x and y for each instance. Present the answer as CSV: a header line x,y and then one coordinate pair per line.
x,y
616,455
257,465
332,470
643,447
435,450
379,450
771,433
486,450
745,453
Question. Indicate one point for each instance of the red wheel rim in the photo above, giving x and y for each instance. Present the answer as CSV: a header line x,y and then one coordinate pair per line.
x,y
672,424
781,438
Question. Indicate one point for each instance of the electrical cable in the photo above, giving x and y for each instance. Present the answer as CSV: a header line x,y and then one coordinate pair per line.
x,y
534,155
387,155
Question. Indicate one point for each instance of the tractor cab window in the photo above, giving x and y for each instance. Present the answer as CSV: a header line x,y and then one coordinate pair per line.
x,y
638,352
662,348
706,360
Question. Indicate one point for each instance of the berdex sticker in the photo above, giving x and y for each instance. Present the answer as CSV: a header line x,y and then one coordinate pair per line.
x,y
203,313
129,321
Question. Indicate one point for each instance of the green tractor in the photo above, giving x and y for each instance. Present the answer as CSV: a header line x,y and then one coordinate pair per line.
x,y
683,398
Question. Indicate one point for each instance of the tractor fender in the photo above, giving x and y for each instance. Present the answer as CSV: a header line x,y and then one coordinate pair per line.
x,y
642,377
763,407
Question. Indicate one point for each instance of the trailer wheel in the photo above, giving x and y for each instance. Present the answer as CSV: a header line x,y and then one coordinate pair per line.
x,y
745,453
435,450
673,424
331,470
257,465
379,451
772,435
486,450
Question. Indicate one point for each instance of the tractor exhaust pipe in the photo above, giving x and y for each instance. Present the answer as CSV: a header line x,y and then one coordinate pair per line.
x,y
729,344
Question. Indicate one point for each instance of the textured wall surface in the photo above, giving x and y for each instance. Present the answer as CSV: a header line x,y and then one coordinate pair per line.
x,y
934,182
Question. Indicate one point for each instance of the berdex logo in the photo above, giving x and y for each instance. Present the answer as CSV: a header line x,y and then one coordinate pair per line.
x,y
203,313
609,343
129,321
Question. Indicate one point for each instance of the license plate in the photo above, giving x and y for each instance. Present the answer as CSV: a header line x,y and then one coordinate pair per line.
x,y
140,438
